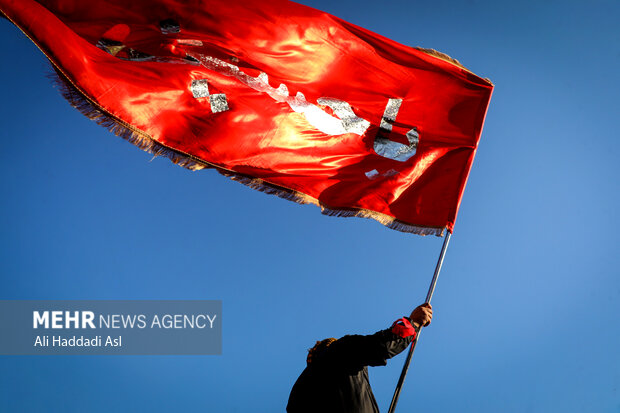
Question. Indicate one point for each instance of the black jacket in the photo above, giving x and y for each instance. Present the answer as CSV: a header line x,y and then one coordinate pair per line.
x,y
337,380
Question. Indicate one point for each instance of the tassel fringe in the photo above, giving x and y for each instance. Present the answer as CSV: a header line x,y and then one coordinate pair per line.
x,y
143,141
445,57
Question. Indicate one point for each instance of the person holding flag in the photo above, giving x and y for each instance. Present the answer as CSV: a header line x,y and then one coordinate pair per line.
x,y
336,376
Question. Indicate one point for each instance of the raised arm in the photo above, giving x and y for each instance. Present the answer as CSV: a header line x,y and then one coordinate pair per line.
x,y
356,351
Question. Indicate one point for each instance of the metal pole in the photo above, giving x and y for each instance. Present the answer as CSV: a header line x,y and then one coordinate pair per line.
x,y
429,296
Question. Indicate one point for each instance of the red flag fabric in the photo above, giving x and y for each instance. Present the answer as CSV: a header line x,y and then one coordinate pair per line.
x,y
281,97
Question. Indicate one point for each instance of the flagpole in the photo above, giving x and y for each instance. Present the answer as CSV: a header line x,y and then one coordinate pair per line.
x,y
429,296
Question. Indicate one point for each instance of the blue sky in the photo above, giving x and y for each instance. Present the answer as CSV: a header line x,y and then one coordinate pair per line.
x,y
527,306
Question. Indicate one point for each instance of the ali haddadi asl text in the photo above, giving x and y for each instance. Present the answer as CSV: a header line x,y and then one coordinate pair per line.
x,y
78,341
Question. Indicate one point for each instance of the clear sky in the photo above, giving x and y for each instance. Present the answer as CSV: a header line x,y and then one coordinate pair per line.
x,y
527,308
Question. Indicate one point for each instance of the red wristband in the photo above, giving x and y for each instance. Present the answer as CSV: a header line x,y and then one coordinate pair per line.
x,y
403,328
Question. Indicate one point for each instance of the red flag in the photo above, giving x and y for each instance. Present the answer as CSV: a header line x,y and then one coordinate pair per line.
x,y
282,97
